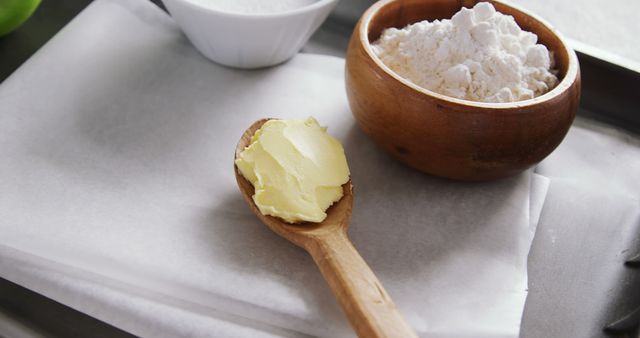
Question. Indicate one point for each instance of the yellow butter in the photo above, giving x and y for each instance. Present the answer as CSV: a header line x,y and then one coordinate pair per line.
x,y
296,168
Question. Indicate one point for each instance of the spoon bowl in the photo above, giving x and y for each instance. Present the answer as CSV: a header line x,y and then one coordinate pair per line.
x,y
338,215
367,305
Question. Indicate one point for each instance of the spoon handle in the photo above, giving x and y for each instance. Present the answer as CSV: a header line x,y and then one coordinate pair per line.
x,y
369,308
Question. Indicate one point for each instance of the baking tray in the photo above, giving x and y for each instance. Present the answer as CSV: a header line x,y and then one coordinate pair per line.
x,y
609,91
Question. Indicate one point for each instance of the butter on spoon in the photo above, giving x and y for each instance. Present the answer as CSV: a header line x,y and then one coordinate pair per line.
x,y
369,308
296,168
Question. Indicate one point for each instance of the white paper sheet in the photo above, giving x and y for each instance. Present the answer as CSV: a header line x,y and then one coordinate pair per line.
x,y
605,32
595,155
117,142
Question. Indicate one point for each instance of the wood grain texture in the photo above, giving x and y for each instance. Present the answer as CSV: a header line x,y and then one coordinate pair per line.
x,y
448,137
367,305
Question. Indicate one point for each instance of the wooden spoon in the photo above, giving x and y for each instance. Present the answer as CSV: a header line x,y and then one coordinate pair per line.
x,y
369,308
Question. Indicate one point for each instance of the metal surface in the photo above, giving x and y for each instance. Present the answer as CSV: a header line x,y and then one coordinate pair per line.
x,y
610,92
560,303
24,313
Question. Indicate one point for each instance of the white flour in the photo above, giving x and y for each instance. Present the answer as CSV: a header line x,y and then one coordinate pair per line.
x,y
479,55
255,6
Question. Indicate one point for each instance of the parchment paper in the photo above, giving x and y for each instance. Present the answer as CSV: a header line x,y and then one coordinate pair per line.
x,y
117,196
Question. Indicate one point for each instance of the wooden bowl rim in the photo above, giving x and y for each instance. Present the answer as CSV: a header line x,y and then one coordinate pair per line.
x,y
567,81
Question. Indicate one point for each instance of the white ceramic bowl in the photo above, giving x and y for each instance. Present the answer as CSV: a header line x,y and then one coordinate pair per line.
x,y
248,40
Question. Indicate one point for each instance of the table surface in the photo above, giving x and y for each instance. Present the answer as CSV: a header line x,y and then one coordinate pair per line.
x,y
608,95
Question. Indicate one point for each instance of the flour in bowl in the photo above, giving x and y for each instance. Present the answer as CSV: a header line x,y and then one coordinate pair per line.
x,y
255,6
478,55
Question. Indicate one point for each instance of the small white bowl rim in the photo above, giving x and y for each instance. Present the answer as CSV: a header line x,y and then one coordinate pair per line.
x,y
566,82
301,10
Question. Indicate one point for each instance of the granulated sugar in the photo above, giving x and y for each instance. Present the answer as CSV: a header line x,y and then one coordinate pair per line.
x,y
255,6
479,55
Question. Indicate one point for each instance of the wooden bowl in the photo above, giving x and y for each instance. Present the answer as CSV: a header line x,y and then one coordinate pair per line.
x,y
450,137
